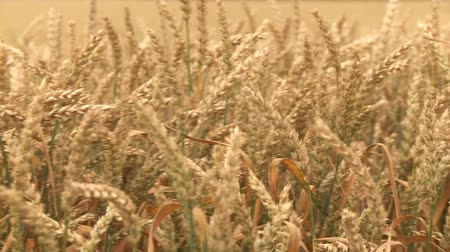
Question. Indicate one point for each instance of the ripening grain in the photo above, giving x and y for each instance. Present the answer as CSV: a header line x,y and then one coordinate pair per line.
x,y
207,126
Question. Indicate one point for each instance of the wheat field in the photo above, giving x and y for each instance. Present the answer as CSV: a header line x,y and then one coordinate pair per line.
x,y
18,14
214,127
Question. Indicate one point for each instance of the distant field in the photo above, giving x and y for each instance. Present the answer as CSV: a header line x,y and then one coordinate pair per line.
x,y
15,15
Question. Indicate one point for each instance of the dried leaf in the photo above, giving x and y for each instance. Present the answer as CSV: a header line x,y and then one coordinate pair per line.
x,y
162,213
390,172
295,238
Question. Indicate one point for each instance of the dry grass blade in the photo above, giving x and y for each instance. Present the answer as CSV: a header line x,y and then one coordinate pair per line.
x,y
196,139
274,177
442,204
351,179
390,173
162,213
8,243
295,238
394,225
447,43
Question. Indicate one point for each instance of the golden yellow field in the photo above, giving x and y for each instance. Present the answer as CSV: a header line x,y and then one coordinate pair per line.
x,y
15,15
289,128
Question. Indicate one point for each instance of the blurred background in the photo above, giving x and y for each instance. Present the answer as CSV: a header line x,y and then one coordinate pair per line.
x,y
16,15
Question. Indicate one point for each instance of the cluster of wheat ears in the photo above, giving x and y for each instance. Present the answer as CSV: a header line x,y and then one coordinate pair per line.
x,y
269,136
